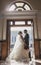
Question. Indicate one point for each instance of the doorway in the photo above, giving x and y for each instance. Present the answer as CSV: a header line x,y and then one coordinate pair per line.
x,y
14,26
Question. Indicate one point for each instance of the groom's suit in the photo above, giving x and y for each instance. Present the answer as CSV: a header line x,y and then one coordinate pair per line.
x,y
26,39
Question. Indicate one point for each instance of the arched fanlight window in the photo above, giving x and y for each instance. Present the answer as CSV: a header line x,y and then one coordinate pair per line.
x,y
19,6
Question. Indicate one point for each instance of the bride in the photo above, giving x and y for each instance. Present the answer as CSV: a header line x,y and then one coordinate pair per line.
x,y
18,47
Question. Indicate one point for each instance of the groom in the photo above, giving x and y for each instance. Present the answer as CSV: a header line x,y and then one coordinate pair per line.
x,y
26,39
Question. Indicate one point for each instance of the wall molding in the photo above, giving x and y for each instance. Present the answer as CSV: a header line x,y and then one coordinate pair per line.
x,y
20,13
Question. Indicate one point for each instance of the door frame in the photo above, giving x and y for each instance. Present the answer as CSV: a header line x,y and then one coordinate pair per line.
x,y
8,29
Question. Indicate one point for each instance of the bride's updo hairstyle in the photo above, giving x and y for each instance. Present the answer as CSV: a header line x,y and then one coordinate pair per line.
x,y
19,32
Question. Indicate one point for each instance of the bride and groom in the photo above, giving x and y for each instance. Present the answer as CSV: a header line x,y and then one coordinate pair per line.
x,y
21,47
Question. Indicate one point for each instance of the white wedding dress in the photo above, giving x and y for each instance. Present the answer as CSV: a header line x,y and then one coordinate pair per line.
x,y
18,48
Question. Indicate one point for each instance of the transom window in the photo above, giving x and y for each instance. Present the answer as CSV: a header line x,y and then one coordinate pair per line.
x,y
20,23
19,6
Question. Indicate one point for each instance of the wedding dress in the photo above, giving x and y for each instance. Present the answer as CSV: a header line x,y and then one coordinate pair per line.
x,y
18,48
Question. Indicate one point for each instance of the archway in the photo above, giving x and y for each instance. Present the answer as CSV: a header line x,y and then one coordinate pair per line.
x,y
19,6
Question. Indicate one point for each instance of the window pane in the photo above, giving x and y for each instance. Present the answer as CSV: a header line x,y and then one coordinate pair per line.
x,y
12,8
19,9
27,7
29,22
11,23
19,4
19,22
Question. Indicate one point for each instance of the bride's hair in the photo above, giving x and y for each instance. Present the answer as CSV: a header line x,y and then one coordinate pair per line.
x,y
19,32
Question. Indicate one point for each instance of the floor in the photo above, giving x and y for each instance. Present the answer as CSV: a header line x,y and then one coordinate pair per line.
x,y
13,62
23,61
9,61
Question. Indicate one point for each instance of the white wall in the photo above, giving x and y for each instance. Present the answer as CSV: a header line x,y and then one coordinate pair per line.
x,y
39,24
4,29
1,29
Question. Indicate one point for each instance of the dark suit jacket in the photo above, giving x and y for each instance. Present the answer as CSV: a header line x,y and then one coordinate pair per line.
x,y
26,39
